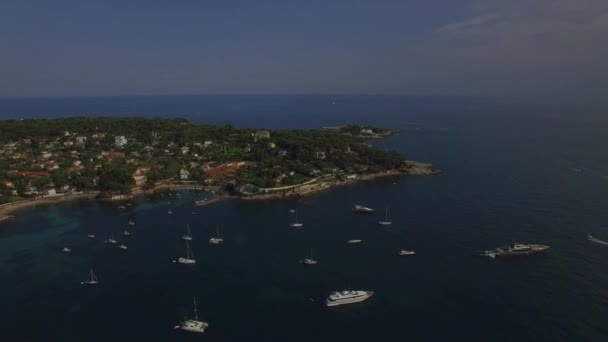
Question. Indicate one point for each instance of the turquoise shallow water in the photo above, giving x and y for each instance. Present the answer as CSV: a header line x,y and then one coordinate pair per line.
x,y
537,178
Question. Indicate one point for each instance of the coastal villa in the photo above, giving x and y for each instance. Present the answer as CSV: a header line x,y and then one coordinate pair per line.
x,y
259,135
120,140
367,131
46,155
184,174
185,150
320,155
139,179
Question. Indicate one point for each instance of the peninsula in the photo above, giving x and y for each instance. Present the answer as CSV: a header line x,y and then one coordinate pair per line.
x,y
114,158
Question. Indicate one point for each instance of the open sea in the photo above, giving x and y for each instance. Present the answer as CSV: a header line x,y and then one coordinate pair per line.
x,y
534,172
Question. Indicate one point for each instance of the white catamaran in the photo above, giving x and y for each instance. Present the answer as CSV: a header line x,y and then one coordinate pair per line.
x,y
215,240
193,325
93,280
189,259
296,224
188,235
387,221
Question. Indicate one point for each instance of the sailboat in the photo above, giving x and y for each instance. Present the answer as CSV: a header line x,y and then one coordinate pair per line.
x,y
111,239
193,325
93,280
310,261
217,239
188,236
189,259
91,235
387,221
296,224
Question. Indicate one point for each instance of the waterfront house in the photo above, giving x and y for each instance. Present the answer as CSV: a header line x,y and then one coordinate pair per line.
x,y
120,140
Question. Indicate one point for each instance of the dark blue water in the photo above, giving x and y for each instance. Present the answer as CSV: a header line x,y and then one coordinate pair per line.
x,y
532,172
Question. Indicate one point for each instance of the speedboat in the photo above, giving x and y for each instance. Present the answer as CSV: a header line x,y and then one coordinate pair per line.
x,y
123,247
347,297
353,241
404,252
362,209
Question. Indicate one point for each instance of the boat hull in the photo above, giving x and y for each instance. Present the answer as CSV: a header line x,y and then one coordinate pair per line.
x,y
346,301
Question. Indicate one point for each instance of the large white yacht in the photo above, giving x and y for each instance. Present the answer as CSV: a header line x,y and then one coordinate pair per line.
x,y
347,297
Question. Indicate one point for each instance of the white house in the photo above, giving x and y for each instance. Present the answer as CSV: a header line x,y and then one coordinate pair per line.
x,y
120,140
184,174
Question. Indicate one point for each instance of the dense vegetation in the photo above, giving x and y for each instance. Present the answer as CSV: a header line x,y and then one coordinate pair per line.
x,y
81,154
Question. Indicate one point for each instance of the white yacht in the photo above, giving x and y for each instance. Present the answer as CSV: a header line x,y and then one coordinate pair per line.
x,y
404,252
387,221
292,211
347,297
189,259
296,224
216,239
122,247
169,212
126,233
188,235
122,207
93,280
354,241
131,223
193,325
91,235
310,261
111,239
66,250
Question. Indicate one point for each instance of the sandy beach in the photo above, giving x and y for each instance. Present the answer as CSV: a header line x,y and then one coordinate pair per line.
x,y
7,210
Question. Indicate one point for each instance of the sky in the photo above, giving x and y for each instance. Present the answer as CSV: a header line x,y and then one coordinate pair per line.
x,y
555,48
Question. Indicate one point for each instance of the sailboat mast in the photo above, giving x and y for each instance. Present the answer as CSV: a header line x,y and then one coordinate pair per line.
x,y
195,312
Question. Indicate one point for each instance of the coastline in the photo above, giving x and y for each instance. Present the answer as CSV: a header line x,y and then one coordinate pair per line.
x,y
8,210
411,168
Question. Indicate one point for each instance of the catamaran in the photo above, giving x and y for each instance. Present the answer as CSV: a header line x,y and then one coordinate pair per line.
x,y
188,236
189,259
93,280
193,325
387,221
296,224
310,261
217,239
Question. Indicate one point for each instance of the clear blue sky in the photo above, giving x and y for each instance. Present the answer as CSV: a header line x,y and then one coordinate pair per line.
x,y
455,47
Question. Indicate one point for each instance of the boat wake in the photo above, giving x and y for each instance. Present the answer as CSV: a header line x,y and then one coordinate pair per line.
x,y
592,239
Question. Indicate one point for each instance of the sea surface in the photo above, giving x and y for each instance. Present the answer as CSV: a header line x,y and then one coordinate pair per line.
x,y
534,172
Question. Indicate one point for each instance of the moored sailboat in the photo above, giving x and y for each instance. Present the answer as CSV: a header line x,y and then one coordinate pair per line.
x,y
387,221
193,325
92,281
189,259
